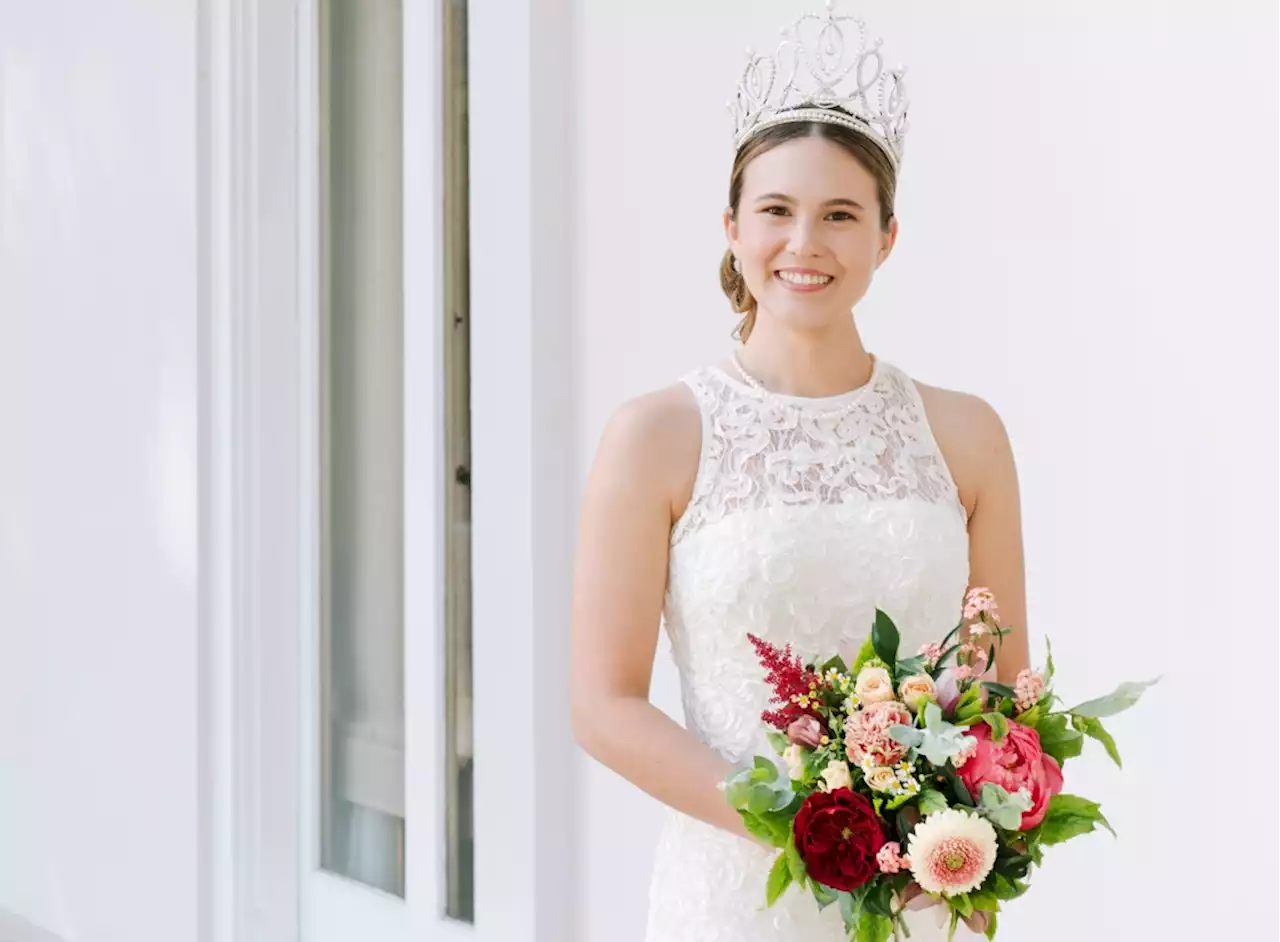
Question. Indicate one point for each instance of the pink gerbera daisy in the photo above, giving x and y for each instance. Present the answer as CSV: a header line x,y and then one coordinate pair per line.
x,y
952,852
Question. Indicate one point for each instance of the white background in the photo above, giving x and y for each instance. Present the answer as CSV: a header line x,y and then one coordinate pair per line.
x,y
1089,241
98,514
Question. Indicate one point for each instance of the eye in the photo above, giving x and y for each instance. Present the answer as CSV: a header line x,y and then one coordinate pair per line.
x,y
775,210
842,216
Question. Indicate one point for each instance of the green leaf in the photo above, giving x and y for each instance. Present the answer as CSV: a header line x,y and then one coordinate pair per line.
x,y
779,880
878,900
1029,717
961,904
778,741
865,653
950,634
1119,700
931,801
836,663
873,927
999,725
1003,888
957,786
999,690
794,861
946,653
1048,664
1070,816
1058,738
969,704
884,637
985,900
761,829
1095,730
991,926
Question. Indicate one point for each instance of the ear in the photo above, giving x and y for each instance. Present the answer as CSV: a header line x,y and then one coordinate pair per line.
x,y
731,230
887,241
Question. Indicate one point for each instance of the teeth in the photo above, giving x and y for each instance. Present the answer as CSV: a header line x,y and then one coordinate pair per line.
x,y
797,278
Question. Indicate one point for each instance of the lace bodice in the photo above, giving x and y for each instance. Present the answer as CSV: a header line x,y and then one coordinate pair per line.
x,y
806,515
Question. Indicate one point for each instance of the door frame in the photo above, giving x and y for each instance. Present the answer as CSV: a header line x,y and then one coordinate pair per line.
x,y
257,128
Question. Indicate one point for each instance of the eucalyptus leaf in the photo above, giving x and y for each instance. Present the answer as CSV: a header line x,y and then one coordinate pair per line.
x,y
764,770
1000,808
824,896
1119,700
850,911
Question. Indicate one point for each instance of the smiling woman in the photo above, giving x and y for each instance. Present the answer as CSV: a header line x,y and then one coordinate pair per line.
x,y
774,230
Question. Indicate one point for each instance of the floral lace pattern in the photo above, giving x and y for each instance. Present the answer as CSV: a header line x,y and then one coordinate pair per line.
x,y
806,516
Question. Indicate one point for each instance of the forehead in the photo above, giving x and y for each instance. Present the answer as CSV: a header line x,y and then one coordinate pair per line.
x,y
809,168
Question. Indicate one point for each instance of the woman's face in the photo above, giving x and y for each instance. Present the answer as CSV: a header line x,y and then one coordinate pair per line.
x,y
807,233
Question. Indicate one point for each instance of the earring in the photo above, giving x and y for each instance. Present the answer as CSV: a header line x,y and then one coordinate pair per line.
x,y
737,265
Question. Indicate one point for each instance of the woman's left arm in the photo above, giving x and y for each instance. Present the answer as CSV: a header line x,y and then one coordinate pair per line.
x,y
995,539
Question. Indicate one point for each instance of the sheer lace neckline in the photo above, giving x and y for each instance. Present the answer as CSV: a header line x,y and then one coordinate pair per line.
x,y
817,402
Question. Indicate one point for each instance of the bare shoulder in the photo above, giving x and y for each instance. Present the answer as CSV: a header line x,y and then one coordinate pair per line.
x,y
653,442
971,435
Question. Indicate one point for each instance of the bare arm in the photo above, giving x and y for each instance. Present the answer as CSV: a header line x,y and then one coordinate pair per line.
x,y
976,446
648,449
995,539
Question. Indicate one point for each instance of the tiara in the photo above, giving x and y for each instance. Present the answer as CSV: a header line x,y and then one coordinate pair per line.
x,y
826,69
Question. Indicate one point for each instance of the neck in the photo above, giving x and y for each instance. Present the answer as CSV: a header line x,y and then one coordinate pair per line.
x,y
813,364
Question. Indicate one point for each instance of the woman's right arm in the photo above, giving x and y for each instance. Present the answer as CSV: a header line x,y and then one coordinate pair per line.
x,y
647,456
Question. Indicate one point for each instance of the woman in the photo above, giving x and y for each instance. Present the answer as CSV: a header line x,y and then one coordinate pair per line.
x,y
788,491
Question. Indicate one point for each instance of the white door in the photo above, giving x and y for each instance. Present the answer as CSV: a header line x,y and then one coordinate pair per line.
x,y
386,831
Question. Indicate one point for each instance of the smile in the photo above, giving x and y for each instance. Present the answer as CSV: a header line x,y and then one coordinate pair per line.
x,y
803,281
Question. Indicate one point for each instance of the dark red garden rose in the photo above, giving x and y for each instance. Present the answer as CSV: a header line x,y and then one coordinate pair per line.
x,y
838,835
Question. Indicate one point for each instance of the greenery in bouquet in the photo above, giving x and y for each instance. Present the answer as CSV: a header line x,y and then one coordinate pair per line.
x,y
902,782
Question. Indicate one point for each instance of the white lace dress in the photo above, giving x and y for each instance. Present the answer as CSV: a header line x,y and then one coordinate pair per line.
x,y
806,515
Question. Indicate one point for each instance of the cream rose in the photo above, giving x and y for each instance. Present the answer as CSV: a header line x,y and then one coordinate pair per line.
x,y
794,756
836,775
916,691
881,779
873,685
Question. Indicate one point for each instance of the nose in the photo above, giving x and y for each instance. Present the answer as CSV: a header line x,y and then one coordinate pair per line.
x,y
801,241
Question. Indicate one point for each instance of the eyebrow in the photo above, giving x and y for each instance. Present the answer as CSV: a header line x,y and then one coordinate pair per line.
x,y
838,201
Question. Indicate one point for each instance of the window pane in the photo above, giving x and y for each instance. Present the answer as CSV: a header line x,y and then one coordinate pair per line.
x,y
362,812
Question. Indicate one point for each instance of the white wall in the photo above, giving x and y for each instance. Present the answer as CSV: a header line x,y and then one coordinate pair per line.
x,y
98,549
1089,241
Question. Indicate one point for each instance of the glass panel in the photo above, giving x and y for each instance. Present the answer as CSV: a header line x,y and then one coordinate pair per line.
x,y
362,810
458,783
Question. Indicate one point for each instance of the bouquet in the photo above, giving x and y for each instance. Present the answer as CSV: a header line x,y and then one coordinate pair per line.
x,y
911,780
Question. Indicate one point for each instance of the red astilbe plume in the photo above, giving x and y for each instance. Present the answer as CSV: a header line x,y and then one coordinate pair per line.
x,y
788,677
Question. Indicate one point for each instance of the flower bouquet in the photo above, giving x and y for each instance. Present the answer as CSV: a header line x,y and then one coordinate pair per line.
x,y
912,781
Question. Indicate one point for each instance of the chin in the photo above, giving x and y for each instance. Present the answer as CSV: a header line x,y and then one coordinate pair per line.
x,y
808,314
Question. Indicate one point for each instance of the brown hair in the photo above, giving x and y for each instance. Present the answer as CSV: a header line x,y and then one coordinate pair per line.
x,y
856,145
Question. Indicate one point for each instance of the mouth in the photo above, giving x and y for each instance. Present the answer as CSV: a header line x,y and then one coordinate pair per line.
x,y
801,280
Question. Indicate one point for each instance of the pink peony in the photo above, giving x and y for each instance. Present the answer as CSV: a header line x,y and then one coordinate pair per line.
x,y
867,733
1016,762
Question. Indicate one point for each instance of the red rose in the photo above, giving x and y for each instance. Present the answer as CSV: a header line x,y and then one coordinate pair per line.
x,y
1014,763
838,835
